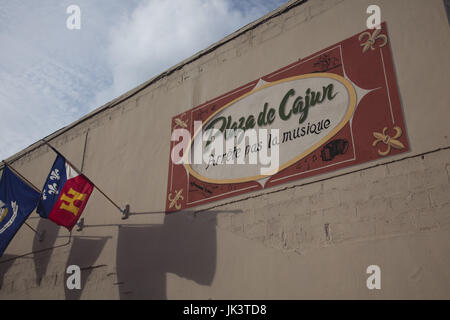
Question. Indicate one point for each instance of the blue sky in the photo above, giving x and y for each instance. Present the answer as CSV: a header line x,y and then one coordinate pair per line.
x,y
51,76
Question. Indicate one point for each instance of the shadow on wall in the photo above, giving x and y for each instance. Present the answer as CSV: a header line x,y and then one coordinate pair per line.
x,y
6,263
182,245
41,259
83,253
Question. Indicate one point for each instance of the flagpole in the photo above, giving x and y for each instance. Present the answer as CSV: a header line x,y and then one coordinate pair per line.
x,y
40,236
21,176
124,211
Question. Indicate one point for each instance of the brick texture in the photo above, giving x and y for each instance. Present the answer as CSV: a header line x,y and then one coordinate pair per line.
x,y
410,195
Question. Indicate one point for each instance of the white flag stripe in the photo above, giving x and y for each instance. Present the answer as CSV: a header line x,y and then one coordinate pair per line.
x,y
70,172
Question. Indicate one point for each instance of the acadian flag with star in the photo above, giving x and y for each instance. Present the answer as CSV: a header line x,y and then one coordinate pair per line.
x,y
64,195
17,201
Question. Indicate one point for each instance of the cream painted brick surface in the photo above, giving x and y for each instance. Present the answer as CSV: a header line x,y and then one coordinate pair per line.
x,y
308,190
381,204
355,193
425,220
295,17
388,185
427,178
321,6
372,208
441,215
374,174
272,31
402,222
256,231
325,200
440,195
343,213
406,166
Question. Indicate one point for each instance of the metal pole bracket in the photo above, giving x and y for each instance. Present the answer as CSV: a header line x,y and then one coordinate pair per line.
x,y
126,212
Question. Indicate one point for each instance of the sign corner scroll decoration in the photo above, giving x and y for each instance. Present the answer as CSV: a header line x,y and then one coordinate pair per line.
x,y
174,199
372,39
391,142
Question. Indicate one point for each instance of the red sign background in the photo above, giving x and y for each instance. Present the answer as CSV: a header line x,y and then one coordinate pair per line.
x,y
377,128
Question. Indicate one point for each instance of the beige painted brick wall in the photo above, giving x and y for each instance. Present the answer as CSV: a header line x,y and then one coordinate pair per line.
x,y
405,196
311,238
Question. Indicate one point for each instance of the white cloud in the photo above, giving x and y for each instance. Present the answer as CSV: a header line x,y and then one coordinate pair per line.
x,y
159,34
51,76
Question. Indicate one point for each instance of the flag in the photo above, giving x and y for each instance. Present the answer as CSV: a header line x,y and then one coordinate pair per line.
x,y
17,201
64,195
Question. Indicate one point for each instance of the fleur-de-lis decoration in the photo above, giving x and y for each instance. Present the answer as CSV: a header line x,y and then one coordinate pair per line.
x,y
44,195
388,140
53,188
174,200
180,123
54,175
372,38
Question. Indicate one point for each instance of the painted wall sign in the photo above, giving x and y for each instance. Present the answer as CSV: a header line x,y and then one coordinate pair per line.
x,y
336,108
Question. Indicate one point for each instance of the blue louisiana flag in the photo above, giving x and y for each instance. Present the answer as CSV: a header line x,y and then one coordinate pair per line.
x,y
17,201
